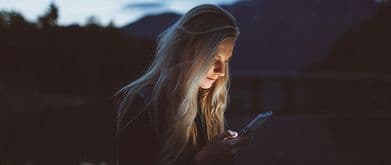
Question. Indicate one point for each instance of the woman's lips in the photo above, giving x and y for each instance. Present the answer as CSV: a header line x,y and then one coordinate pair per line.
x,y
211,79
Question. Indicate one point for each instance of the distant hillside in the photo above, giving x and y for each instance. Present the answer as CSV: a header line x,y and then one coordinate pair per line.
x,y
150,26
364,48
276,34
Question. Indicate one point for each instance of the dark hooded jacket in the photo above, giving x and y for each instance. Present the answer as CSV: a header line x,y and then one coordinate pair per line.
x,y
139,142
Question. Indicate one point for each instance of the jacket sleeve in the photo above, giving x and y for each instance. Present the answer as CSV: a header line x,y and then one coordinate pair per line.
x,y
137,141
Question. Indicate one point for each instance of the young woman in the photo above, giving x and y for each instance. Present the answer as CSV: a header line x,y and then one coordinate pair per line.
x,y
174,113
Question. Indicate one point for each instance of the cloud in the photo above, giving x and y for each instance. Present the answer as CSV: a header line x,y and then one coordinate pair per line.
x,y
144,5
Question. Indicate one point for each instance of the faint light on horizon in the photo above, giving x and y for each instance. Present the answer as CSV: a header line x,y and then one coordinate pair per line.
x,y
77,12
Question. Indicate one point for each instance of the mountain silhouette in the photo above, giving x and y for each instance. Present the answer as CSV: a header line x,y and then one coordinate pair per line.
x,y
276,34
364,48
150,26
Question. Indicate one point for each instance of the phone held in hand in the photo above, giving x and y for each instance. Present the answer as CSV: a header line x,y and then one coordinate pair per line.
x,y
255,123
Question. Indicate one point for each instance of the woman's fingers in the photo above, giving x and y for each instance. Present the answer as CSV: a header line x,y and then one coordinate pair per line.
x,y
225,135
238,141
222,149
222,135
227,144
232,134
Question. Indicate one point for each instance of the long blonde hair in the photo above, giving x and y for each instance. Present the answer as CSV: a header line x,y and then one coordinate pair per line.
x,y
185,53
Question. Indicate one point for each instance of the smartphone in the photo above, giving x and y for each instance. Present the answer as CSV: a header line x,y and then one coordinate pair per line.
x,y
255,123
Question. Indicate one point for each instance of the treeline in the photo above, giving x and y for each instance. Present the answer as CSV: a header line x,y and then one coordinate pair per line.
x,y
74,59
15,21
56,84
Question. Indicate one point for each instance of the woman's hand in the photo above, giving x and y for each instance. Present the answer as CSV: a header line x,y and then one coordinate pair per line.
x,y
222,149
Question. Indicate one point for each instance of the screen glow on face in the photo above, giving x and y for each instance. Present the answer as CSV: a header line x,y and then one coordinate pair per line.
x,y
222,57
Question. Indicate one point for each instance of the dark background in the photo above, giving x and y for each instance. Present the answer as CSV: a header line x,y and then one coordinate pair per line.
x,y
321,66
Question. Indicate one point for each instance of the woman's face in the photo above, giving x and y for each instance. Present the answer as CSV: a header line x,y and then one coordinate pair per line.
x,y
222,56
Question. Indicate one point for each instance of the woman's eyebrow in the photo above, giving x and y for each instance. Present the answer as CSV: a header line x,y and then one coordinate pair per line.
x,y
221,57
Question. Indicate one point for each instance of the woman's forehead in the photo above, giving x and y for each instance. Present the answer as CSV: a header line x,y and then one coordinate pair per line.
x,y
227,43
226,47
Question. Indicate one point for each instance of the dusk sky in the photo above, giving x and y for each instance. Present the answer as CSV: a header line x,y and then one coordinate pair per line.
x,y
121,12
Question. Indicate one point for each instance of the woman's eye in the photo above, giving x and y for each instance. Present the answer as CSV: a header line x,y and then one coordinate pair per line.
x,y
221,62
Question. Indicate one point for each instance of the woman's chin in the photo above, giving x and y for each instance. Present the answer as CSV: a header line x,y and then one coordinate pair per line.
x,y
206,85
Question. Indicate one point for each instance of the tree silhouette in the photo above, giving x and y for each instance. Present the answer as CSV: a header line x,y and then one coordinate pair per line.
x,y
111,25
50,18
12,19
93,21
3,21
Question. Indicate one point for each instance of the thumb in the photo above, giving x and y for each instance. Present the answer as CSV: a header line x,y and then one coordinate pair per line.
x,y
232,134
224,135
